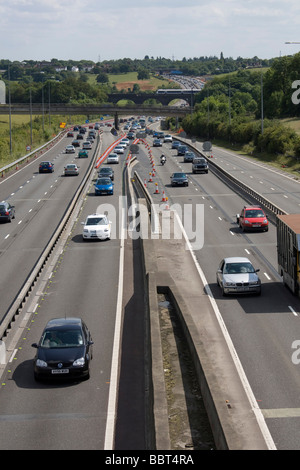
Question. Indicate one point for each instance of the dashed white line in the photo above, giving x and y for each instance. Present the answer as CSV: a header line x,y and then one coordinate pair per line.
x,y
293,311
12,356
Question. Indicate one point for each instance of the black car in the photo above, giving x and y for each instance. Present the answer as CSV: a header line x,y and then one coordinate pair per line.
x,y
76,143
179,179
7,211
106,171
181,149
46,167
64,350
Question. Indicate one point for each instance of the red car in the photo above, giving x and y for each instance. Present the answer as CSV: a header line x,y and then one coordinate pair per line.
x,y
253,218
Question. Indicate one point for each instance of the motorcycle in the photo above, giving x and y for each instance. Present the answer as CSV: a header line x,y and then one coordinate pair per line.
x,y
162,159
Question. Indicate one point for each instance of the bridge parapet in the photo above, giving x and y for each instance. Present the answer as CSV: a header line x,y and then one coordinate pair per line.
x,y
140,98
94,109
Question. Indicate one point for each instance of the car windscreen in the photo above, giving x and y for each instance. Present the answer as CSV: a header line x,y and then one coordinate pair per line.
x,y
96,221
61,339
254,213
103,181
238,268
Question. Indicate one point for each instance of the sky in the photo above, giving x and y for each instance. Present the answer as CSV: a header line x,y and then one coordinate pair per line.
x,y
99,30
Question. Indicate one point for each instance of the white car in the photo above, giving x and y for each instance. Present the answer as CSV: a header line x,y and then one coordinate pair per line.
x,y
122,144
96,226
87,145
168,138
70,149
236,275
126,141
119,149
112,158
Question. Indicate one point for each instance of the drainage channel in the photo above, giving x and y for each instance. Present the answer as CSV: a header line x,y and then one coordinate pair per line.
x,y
189,426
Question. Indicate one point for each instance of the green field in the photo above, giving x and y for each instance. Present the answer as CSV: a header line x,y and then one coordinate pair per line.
x,y
127,80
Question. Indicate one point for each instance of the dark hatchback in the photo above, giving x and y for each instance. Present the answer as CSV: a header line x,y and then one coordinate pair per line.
x,y
181,149
179,179
106,172
64,350
7,211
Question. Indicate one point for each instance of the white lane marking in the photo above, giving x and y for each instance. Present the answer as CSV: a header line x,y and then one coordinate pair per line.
x,y
13,355
293,311
248,390
113,387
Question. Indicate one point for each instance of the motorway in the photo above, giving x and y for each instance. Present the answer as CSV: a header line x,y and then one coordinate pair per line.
x,y
86,280
262,328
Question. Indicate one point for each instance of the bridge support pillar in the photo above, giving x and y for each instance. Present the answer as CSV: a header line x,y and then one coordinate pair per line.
x,y
116,121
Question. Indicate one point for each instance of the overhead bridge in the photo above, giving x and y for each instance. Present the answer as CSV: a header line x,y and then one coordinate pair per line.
x,y
161,96
94,109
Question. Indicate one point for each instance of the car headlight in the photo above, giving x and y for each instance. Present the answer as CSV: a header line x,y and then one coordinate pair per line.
x,y
246,221
41,363
79,362
229,284
265,221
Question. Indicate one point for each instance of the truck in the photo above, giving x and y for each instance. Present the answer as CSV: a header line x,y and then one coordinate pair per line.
x,y
288,250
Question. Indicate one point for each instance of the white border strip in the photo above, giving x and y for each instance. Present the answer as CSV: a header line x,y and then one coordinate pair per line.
x,y
114,375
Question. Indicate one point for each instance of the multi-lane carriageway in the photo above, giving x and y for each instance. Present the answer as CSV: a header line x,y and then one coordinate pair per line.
x,y
86,278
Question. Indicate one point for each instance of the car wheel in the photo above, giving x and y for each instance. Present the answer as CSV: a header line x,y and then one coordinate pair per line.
x,y
223,292
36,377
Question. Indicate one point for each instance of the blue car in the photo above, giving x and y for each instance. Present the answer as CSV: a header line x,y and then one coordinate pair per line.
x,y
104,186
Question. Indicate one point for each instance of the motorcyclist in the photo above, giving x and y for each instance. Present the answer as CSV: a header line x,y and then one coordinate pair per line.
x,y
162,159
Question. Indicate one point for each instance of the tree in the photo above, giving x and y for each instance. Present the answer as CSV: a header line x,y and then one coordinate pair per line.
x,y
102,77
143,74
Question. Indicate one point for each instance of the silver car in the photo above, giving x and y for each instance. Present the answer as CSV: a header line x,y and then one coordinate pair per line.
x,y
236,275
112,158
71,170
70,149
